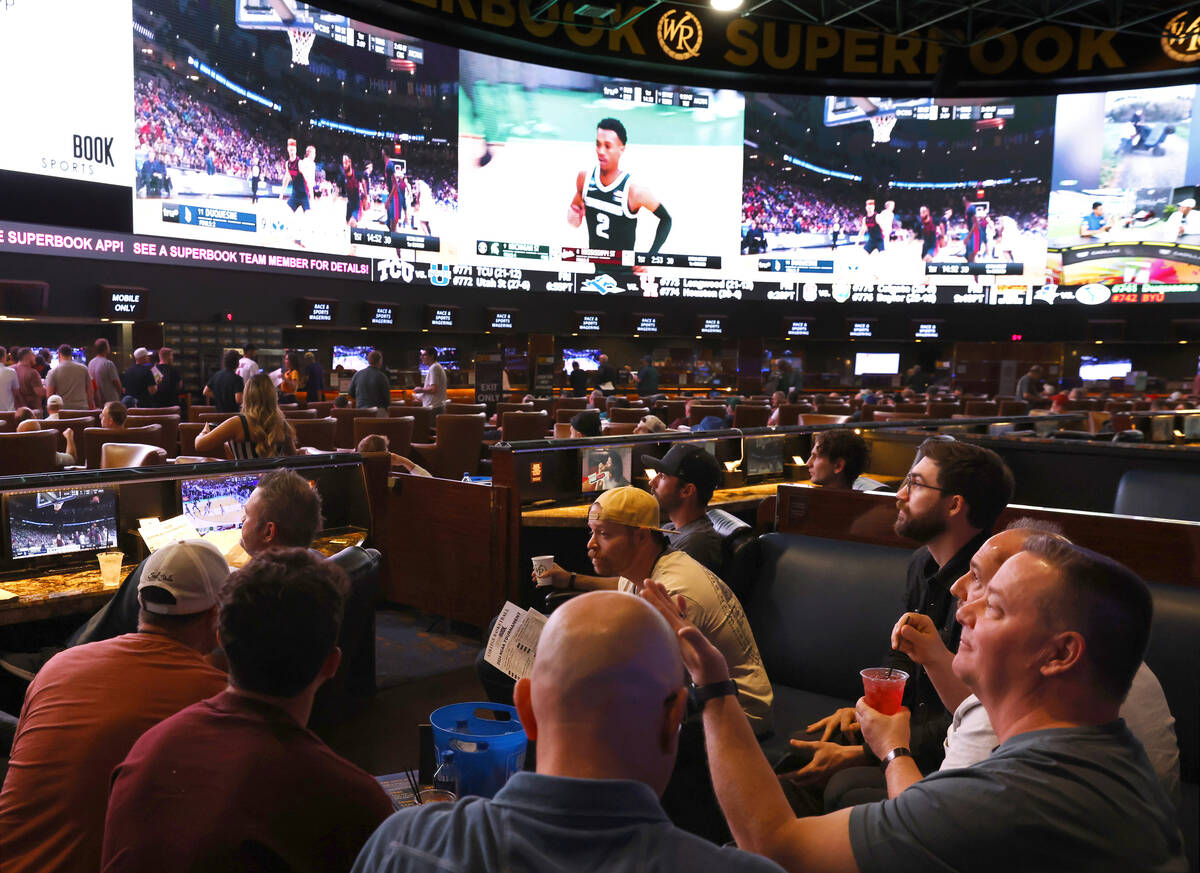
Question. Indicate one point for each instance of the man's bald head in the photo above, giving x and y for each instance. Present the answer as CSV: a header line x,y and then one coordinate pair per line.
x,y
601,649
606,695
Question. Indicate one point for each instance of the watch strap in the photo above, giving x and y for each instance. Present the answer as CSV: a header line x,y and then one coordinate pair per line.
x,y
702,694
898,752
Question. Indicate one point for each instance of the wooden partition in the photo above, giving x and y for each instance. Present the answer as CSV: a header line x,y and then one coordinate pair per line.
x,y
1158,550
450,547
1070,474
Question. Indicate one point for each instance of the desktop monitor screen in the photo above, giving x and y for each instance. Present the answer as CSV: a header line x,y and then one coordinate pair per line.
x,y
1096,369
605,468
351,357
589,359
763,455
216,503
55,522
876,363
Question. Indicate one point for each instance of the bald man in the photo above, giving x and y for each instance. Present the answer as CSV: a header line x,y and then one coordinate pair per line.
x,y
971,737
604,703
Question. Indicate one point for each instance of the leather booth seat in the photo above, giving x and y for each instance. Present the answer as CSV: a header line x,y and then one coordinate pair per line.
x,y
399,432
458,448
822,609
114,455
1155,494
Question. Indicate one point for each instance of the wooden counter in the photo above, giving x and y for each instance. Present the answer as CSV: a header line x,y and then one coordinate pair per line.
x,y
80,591
729,499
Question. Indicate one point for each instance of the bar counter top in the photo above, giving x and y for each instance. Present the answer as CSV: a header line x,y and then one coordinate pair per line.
x,y
729,499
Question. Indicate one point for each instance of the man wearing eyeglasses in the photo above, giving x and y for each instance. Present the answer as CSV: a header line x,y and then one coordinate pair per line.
x,y
949,501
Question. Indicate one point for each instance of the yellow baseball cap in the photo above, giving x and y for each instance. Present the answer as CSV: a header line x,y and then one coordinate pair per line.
x,y
629,506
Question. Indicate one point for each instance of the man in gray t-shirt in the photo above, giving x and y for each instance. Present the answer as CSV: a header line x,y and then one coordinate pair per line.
x,y
71,381
104,375
1050,648
370,388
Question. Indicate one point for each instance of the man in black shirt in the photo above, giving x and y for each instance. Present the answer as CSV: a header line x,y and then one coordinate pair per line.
x,y
138,381
224,389
169,379
578,380
950,500
606,377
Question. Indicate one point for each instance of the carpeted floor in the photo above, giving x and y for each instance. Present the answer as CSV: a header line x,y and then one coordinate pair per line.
x,y
412,645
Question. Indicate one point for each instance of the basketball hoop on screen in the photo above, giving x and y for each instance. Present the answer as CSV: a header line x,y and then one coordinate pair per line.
x,y
881,126
301,39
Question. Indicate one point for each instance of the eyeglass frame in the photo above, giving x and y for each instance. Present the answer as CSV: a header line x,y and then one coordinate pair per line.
x,y
907,482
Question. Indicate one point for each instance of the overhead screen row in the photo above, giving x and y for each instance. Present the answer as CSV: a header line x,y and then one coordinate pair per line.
x,y
273,124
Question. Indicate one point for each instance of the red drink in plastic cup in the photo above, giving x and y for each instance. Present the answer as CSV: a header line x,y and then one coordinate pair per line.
x,y
883,693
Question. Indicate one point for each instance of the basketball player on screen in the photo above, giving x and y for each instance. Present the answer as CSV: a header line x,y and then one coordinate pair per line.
x,y
422,205
609,200
871,229
352,191
976,241
299,201
395,204
928,231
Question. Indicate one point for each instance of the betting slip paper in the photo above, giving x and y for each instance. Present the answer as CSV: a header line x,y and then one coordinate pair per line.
x,y
157,534
513,643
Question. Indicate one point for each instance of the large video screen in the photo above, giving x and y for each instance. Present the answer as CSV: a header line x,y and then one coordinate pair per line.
x,y
878,190
278,124
57,522
275,135
1124,196
571,168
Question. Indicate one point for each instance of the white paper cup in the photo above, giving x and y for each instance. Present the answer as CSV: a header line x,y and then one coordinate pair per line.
x,y
542,565
110,568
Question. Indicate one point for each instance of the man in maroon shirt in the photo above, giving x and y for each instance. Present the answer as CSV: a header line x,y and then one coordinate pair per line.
x,y
30,389
237,782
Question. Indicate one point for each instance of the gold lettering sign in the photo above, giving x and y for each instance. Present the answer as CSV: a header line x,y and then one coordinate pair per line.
x,y
680,34
1181,38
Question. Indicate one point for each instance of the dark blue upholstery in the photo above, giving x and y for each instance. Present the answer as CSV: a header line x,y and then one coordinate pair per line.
x,y
1158,495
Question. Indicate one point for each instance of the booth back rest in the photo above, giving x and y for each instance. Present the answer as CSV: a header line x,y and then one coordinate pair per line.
x,y
399,432
30,452
822,609
1155,494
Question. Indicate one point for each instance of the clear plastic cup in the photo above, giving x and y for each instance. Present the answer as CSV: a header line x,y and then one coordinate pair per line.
x,y
437,795
110,568
883,692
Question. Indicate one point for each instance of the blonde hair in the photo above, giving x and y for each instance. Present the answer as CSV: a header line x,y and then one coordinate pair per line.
x,y
267,429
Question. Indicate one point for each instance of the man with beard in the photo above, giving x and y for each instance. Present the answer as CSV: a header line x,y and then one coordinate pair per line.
x,y
949,501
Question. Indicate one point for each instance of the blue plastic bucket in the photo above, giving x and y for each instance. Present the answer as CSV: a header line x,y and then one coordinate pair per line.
x,y
488,742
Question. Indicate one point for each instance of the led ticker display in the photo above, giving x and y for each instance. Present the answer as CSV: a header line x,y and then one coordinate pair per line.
x,y
441,317
318,312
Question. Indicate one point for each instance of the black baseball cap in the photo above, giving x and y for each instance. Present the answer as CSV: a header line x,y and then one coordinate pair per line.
x,y
689,462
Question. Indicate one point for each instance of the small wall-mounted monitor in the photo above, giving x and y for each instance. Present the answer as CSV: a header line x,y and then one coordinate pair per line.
x,y
711,325
123,303
441,317
24,298
587,322
311,311
605,468
1094,369
351,357
860,328
378,314
501,319
60,521
646,324
876,363
798,327
927,329
216,502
